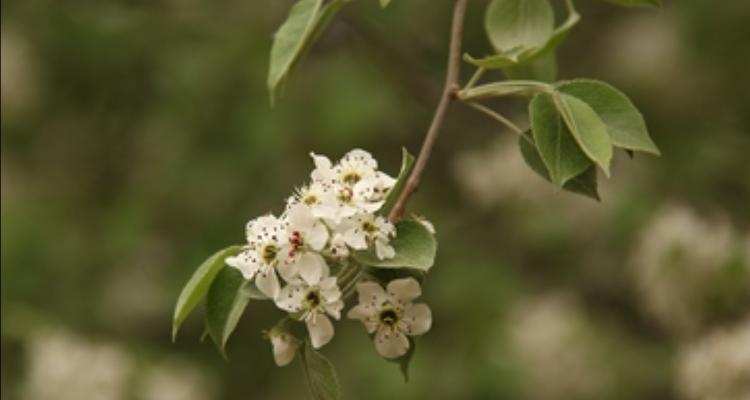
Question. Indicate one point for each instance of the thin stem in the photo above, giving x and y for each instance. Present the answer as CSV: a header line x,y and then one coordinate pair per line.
x,y
496,116
450,89
474,78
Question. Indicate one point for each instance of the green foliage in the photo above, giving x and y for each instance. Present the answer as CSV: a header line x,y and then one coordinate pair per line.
x,y
407,162
554,142
415,248
518,25
319,374
584,183
306,21
523,37
226,301
198,285
624,122
587,128
384,3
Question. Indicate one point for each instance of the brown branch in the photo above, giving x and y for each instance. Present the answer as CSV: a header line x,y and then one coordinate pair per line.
x,y
449,93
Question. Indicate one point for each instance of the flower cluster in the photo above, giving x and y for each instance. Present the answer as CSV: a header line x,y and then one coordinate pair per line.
x,y
302,260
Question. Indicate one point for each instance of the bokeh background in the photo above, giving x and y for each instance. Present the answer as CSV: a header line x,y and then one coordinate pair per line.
x,y
137,138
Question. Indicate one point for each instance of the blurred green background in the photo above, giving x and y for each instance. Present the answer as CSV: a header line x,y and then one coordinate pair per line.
x,y
137,138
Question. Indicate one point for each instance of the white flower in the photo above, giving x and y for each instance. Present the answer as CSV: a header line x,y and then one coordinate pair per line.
x,y
391,315
285,346
313,301
337,247
363,229
320,198
354,181
261,256
306,237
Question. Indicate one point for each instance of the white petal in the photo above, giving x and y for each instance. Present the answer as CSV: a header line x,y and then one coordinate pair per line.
x,y
290,298
288,269
404,289
334,308
317,236
355,239
284,348
329,289
371,293
300,217
384,250
240,262
418,319
320,329
267,282
312,267
391,343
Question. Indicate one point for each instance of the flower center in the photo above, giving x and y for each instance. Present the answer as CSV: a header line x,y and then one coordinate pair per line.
x,y
345,195
388,317
312,299
350,178
369,227
269,252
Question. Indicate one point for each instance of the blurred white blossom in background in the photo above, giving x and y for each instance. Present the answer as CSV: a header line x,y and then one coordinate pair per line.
x,y
717,366
18,70
177,379
688,268
550,338
65,366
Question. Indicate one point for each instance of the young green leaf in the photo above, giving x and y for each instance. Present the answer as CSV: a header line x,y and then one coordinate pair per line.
x,y
541,68
584,183
306,21
514,24
407,162
587,129
415,248
558,149
319,374
636,3
624,122
503,88
226,300
198,285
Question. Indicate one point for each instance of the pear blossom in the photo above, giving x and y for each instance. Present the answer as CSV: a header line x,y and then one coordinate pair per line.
x,y
361,230
390,314
306,238
320,198
260,257
355,181
284,345
313,301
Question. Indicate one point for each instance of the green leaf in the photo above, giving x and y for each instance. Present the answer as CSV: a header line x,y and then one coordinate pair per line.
x,y
504,88
557,148
542,53
407,162
518,24
198,285
415,248
306,21
542,68
636,3
319,374
587,129
384,3
625,124
584,183
225,302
